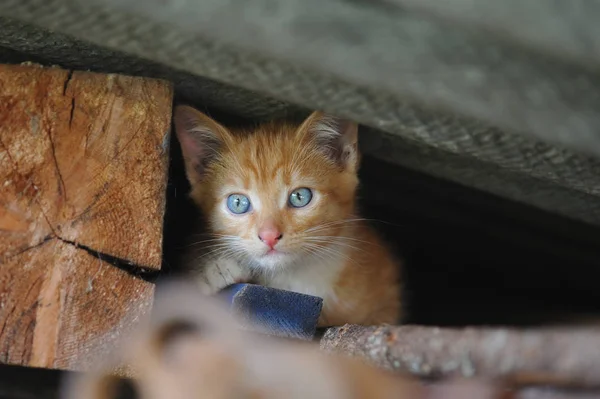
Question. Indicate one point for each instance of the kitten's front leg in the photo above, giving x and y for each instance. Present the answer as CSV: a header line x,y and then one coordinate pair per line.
x,y
218,273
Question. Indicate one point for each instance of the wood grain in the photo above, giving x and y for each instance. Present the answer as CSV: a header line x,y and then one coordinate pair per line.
x,y
83,169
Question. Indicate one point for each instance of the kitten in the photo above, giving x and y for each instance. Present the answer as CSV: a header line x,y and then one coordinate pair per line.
x,y
280,204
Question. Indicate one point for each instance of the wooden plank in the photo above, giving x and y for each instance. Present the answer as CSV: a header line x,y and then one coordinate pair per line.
x,y
83,162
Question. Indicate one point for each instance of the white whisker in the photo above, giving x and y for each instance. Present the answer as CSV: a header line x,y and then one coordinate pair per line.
x,y
334,223
341,238
343,244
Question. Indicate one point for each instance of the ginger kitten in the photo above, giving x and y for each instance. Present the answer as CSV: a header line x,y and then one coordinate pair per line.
x,y
280,206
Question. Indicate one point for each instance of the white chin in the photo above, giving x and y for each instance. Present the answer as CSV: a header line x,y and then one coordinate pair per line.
x,y
273,261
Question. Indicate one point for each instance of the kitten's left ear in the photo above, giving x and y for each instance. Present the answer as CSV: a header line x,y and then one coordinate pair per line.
x,y
336,137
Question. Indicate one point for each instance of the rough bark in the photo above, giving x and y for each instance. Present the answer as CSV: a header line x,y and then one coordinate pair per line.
x,y
565,357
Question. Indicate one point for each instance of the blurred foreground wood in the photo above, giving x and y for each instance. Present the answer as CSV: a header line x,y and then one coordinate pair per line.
x,y
83,168
192,349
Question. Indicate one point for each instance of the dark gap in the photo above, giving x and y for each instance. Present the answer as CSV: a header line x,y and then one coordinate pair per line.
x,y
10,56
319,333
18,382
180,214
67,81
125,389
72,112
142,272
474,258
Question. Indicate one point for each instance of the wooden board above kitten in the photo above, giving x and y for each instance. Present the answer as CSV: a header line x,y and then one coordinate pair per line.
x,y
280,208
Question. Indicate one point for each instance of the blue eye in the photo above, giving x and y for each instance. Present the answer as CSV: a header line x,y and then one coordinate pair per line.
x,y
300,197
238,203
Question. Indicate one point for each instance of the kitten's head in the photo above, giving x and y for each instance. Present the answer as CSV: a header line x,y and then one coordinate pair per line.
x,y
277,195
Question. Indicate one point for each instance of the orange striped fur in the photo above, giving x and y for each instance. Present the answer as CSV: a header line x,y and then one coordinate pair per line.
x,y
325,248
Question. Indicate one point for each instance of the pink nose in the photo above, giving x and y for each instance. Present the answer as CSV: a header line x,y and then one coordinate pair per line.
x,y
270,236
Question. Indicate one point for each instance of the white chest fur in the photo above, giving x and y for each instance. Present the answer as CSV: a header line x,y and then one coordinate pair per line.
x,y
315,277
311,276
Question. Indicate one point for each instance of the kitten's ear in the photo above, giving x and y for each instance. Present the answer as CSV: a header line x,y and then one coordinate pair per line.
x,y
336,137
201,139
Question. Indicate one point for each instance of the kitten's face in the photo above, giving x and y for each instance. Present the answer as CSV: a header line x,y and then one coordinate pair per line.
x,y
277,196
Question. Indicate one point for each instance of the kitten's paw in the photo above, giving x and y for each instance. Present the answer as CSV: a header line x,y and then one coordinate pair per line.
x,y
221,273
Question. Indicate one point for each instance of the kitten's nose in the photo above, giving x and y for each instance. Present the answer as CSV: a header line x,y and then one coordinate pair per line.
x,y
270,236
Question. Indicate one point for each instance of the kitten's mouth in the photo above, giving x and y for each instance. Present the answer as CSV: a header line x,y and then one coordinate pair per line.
x,y
274,258
273,252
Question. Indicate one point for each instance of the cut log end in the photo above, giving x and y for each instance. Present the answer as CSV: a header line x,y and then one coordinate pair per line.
x,y
83,172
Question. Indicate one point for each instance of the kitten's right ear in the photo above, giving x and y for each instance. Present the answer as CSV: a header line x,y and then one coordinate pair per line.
x,y
201,140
